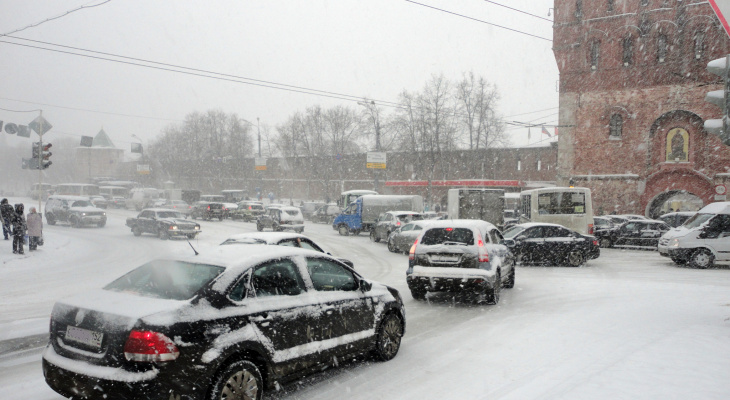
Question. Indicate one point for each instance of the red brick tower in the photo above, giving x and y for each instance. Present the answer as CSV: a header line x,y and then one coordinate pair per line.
x,y
632,88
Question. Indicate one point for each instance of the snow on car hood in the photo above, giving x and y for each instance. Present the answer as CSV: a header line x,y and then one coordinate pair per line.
x,y
679,231
86,209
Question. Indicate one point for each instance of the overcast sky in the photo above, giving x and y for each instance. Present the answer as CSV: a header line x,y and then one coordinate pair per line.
x,y
374,48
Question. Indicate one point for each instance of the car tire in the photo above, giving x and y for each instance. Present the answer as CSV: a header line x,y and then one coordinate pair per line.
x,y
239,380
374,237
136,231
575,258
343,231
259,227
391,245
702,259
493,294
220,218
605,243
75,222
510,282
162,234
389,335
50,220
191,236
101,224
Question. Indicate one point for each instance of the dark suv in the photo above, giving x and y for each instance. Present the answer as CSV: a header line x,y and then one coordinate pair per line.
x,y
224,324
207,211
75,210
460,256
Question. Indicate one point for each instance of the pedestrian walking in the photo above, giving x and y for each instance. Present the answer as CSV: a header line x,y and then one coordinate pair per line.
x,y
7,212
19,229
35,228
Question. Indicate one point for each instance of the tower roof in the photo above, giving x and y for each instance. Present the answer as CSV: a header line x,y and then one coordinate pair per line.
x,y
102,140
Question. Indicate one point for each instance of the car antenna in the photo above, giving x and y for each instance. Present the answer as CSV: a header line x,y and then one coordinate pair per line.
x,y
191,246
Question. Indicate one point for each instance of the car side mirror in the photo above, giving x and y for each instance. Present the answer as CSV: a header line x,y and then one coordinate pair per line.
x,y
365,286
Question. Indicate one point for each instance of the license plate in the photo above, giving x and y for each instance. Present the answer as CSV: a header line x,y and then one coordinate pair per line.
x,y
444,258
84,336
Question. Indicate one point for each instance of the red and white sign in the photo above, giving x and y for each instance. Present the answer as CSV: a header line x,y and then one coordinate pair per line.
x,y
720,189
722,9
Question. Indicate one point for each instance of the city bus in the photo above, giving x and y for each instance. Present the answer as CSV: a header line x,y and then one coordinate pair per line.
x,y
571,207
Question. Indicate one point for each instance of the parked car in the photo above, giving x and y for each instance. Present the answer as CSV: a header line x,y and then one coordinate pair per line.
x,y
460,256
401,239
702,240
675,219
390,221
551,244
281,218
207,211
163,223
248,210
117,202
280,239
99,201
633,233
74,210
309,207
180,206
232,319
326,214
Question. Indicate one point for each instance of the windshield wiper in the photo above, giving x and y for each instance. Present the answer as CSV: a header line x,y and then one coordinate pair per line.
x,y
453,243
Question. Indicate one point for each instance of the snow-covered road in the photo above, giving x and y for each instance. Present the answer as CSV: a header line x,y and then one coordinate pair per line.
x,y
629,325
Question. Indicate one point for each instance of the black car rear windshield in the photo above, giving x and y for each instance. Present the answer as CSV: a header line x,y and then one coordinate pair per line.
x,y
448,236
166,279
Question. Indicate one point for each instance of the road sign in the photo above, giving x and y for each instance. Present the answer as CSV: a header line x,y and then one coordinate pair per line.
x,y
722,9
376,160
39,122
720,189
143,169
260,164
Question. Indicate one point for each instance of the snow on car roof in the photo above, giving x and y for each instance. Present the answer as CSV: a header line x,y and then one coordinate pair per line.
x,y
268,237
68,197
461,223
290,208
721,207
531,224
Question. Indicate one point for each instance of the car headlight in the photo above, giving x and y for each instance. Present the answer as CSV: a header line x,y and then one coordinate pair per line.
x,y
104,214
83,214
674,242
173,227
197,227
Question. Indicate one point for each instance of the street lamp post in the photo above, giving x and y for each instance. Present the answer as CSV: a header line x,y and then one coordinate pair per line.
x,y
374,113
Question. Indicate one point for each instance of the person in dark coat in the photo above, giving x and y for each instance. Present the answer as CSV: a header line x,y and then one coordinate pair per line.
x,y
18,229
34,223
7,212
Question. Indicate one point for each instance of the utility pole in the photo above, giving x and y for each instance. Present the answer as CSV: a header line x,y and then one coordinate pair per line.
x,y
40,162
372,110
258,128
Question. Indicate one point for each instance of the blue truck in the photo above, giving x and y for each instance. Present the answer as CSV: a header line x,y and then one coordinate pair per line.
x,y
362,214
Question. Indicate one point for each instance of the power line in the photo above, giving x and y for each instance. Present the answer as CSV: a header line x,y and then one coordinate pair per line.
x,y
532,112
87,110
519,11
19,111
479,20
54,18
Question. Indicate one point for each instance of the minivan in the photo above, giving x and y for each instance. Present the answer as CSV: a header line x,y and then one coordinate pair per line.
x,y
702,240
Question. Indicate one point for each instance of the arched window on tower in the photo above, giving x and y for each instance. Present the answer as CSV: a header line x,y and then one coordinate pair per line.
x,y
615,126
699,44
595,50
661,48
628,51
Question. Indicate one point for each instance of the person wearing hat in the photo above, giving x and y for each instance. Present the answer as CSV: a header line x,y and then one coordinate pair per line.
x,y
35,228
7,212
19,229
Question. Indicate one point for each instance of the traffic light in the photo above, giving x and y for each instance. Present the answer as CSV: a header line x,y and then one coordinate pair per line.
x,y
720,98
41,156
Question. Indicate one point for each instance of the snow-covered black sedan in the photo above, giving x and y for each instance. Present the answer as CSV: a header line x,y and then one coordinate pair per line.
x,y
280,239
552,244
224,324
645,233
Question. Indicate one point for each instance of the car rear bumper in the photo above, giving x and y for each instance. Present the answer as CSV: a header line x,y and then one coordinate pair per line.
x,y
439,279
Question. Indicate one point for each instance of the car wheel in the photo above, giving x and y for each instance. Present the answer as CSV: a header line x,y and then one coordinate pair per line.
x,y
343,231
101,224
494,293
136,231
510,282
389,336
191,236
391,245
575,258
50,220
605,242
240,380
259,227
702,258
163,234
220,218
374,237
75,222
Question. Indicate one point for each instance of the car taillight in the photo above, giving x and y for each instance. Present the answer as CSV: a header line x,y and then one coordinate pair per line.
x,y
147,346
483,253
590,229
595,242
412,252
249,207
397,223
208,207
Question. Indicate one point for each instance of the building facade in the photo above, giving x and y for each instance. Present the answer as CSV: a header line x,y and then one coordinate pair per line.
x,y
632,85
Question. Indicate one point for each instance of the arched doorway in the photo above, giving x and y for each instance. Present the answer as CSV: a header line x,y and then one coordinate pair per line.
x,y
673,200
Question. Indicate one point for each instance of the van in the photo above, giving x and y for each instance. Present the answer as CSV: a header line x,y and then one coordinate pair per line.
x,y
140,198
703,240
